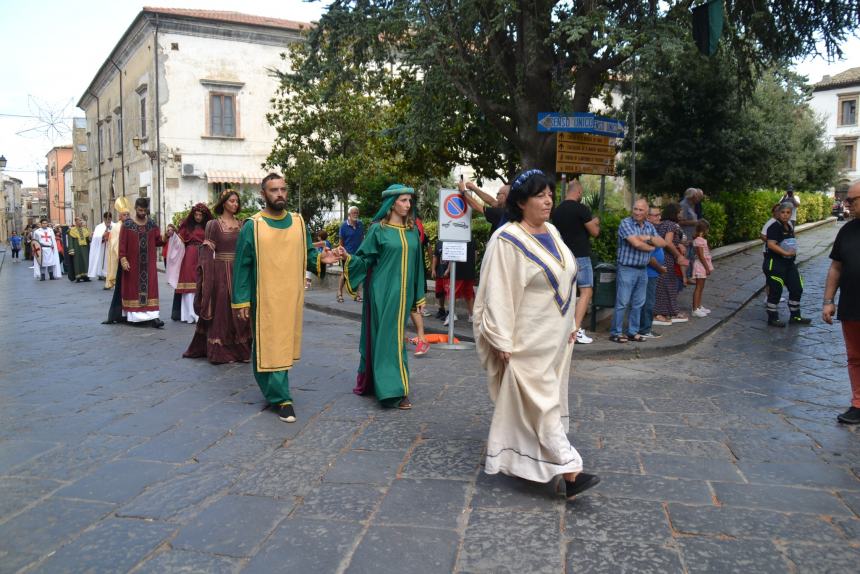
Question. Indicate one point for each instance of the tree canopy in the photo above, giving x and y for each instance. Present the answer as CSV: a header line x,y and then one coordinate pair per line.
x,y
481,70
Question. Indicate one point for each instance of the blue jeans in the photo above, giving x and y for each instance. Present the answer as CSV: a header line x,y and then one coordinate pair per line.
x,y
631,284
647,317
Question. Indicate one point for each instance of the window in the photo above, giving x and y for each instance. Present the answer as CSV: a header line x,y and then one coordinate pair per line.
x,y
222,115
849,155
101,141
847,110
141,93
118,130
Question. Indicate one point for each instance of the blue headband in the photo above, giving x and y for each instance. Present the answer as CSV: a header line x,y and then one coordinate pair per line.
x,y
523,177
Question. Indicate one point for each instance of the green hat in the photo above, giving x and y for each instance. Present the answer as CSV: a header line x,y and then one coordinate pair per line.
x,y
393,191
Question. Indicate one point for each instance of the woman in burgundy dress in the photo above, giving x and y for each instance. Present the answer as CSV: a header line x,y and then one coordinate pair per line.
x,y
220,335
192,232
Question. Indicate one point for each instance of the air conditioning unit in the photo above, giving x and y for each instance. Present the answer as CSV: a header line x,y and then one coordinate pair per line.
x,y
189,170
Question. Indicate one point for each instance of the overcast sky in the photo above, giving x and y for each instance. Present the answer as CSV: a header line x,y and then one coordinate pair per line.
x,y
52,49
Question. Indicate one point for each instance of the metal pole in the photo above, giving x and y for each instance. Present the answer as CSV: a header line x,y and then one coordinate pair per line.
x,y
601,201
633,143
452,288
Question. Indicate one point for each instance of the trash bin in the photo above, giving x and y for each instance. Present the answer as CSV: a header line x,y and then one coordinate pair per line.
x,y
603,296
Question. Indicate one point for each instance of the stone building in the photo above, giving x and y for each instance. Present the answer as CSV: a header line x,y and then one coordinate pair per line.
x,y
178,109
836,99
10,206
59,204
80,173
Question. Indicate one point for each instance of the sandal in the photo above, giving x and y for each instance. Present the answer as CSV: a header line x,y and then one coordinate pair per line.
x,y
340,298
405,405
618,339
637,338
357,299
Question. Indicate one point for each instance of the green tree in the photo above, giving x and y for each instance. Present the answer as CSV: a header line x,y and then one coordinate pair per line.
x,y
696,129
501,62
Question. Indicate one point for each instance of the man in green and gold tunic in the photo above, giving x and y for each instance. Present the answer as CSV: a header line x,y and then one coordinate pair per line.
x,y
390,264
273,250
79,250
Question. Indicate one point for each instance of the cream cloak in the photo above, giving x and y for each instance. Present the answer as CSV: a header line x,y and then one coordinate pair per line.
x,y
525,306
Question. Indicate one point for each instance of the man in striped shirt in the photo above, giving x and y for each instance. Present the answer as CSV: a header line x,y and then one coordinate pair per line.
x,y
637,239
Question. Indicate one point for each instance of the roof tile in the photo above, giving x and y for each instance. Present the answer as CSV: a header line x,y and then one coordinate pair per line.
x,y
226,16
849,77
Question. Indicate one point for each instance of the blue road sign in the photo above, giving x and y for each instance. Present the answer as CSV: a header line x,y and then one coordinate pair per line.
x,y
455,206
583,123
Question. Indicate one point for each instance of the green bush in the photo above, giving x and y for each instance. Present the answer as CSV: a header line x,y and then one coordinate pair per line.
x,y
715,213
746,213
604,247
813,207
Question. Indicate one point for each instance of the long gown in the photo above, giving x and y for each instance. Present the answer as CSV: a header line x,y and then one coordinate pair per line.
x,y
97,264
139,288
390,264
220,335
525,306
79,242
187,285
272,254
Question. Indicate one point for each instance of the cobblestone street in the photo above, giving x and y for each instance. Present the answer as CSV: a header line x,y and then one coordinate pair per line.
x,y
118,455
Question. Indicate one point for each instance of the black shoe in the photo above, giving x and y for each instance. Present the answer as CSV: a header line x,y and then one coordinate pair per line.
x,y
777,322
583,482
86,279
286,413
158,323
108,322
850,417
441,314
43,278
798,320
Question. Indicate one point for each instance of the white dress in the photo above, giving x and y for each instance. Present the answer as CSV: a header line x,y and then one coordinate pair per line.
x,y
525,306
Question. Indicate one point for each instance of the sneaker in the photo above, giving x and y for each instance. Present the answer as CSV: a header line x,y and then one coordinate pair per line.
x,y
441,314
850,417
664,322
679,319
651,335
582,338
705,310
699,313
426,313
286,413
798,320
421,348
448,318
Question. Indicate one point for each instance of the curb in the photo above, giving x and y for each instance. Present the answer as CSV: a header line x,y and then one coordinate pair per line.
x,y
631,350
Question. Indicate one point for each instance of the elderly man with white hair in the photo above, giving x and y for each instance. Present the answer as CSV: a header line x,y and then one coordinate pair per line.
x,y
351,235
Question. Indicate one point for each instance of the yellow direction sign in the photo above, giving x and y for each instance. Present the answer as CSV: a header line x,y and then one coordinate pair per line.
x,y
584,138
585,153
589,168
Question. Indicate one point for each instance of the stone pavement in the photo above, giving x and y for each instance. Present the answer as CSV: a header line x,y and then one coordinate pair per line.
x,y
117,455
737,278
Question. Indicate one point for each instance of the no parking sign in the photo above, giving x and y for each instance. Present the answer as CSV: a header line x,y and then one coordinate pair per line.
x,y
455,216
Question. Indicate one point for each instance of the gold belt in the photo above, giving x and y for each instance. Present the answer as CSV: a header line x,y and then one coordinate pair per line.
x,y
225,256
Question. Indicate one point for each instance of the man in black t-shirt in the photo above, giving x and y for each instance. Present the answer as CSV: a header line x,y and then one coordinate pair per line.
x,y
493,210
577,226
781,270
844,274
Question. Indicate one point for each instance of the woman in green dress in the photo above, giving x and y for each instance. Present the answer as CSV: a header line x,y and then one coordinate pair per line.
x,y
390,264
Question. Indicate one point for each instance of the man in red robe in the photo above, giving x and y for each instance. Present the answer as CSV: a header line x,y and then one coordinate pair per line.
x,y
138,241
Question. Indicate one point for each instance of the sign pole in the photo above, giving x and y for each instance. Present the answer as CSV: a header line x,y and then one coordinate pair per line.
x,y
601,201
452,299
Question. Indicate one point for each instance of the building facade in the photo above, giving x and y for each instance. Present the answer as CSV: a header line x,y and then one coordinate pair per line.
x,y
178,110
836,99
80,173
34,205
10,205
59,204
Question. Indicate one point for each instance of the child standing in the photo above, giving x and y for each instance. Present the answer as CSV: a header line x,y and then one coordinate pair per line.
x,y
702,266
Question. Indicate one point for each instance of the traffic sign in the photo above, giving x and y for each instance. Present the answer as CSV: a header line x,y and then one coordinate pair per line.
x,y
591,149
561,157
590,168
580,123
455,217
584,138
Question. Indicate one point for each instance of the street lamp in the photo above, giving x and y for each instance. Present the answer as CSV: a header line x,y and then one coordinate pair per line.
x,y
2,162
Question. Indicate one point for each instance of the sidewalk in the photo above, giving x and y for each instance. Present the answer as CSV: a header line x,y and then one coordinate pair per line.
x,y
737,278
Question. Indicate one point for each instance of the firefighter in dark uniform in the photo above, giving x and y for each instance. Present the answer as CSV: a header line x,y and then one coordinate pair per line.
x,y
781,270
